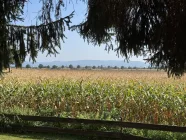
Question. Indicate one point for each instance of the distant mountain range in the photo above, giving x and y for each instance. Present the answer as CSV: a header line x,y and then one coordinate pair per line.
x,y
96,63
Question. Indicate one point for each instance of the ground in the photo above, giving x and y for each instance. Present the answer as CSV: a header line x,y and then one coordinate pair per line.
x,y
35,137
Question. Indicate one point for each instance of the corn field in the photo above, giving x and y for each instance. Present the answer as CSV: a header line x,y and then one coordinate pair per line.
x,y
135,96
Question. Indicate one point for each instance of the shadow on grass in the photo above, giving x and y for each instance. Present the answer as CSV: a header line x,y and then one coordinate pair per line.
x,y
43,136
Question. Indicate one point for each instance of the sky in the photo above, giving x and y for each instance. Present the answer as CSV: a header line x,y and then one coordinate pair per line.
x,y
74,48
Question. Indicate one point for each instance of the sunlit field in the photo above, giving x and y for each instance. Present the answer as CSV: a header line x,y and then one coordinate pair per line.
x,y
25,75
146,96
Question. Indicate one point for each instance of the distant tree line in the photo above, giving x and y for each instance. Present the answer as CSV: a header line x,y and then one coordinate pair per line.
x,y
41,66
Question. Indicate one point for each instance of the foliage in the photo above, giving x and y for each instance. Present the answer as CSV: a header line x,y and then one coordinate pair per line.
x,y
40,66
93,67
154,29
122,67
54,67
71,66
115,67
16,42
28,66
78,66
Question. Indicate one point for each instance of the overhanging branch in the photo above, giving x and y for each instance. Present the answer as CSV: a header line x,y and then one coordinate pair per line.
x,y
43,25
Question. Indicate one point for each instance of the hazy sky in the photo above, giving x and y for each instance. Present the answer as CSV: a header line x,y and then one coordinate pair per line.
x,y
74,48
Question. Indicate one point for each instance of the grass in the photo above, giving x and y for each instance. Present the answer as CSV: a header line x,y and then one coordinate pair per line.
x,y
154,135
36,137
